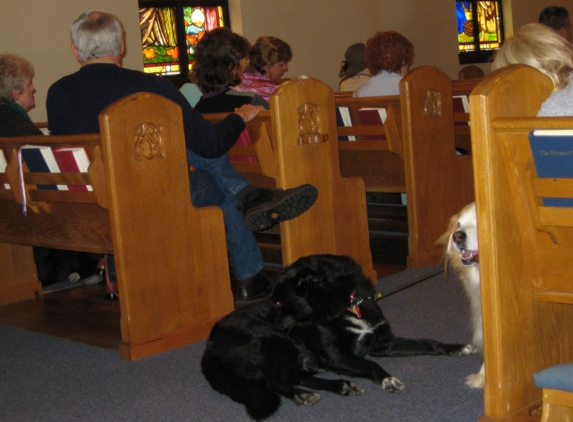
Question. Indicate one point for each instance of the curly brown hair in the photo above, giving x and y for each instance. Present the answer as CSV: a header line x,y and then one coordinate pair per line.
x,y
388,51
217,59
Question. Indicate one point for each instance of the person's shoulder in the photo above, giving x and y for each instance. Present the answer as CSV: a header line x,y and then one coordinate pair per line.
x,y
559,103
255,99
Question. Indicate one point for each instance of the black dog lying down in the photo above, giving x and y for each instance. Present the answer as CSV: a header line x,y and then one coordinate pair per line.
x,y
261,352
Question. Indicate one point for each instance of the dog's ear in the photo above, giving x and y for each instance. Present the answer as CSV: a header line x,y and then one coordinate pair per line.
x,y
306,282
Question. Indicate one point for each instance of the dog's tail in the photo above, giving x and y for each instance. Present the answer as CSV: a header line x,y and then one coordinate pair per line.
x,y
259,401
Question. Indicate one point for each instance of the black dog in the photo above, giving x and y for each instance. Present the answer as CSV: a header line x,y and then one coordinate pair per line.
x,y
323,317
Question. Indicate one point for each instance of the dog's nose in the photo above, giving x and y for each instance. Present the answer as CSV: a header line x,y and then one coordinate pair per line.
x,y
459,236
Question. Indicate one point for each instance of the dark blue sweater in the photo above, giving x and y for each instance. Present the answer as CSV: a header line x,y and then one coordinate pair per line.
x,y
75,102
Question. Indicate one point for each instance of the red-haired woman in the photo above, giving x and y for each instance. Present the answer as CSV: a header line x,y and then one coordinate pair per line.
x,y
389,55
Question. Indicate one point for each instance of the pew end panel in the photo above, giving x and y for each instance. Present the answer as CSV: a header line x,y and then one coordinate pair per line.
x,y
524,323
18,278
171,258
306,151
439,181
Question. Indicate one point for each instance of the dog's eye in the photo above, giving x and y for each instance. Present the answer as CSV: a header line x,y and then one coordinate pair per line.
x,y
278,304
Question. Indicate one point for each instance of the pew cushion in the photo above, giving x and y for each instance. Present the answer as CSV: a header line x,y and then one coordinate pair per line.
x,y
557,377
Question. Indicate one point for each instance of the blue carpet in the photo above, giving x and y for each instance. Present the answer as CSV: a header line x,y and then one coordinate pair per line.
x,y
49,379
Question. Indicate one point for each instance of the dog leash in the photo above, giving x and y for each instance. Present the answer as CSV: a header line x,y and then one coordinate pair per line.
x,y
356,301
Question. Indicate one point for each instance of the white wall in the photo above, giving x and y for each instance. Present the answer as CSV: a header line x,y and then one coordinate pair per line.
x,y
46,41
318,30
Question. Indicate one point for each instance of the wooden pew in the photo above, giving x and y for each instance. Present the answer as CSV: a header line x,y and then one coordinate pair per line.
x,y
297,143
418,156
171,258
526,249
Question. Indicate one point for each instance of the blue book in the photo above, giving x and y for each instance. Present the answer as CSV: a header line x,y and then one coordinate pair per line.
x,y
41,160
552,152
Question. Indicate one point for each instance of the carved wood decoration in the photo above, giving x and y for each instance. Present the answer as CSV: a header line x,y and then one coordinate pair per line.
x,y
310,124
432,103
149,141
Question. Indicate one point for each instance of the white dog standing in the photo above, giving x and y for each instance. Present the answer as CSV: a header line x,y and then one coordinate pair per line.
x,y
462,258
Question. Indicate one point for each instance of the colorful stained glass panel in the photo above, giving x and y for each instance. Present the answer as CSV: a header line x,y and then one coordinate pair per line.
x,y
159,40
488,25
197,21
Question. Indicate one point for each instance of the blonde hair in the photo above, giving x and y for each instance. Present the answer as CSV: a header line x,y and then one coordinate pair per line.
x,y
540,47
15,73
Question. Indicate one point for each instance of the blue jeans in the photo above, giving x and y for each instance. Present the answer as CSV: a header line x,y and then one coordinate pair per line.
x,y
226,175
210,186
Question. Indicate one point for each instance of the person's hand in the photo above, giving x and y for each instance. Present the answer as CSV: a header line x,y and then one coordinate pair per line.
x,y
248,111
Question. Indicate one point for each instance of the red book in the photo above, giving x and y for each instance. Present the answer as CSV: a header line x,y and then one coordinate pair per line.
x,y
461,105
73,160
244,139
373,117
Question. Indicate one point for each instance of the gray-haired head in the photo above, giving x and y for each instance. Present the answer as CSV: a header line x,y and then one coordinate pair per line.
x,y
97,34
15,74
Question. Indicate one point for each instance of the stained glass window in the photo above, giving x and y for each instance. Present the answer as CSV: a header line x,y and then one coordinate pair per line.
x,y
169,34
480,29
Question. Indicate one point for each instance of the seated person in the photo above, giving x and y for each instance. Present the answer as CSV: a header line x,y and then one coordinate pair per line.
x,y
540,47
191,91
353,69
389,55
267,63
16,96
16,100
75,101
219,62
557,17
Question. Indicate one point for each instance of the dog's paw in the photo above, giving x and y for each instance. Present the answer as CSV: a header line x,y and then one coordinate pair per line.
x,y
468,349
393,385
475,380
73,277
348,388
306,398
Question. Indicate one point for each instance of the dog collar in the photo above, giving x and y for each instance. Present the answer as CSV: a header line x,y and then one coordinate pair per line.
x,y
356,301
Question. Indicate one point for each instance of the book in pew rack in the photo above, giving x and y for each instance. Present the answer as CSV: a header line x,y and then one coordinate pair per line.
x,y
41,160
343,119
552,151
372,117
73,160
461,104
3,165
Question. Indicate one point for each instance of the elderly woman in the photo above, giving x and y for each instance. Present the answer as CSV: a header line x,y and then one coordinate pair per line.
x,y
268,62
542,48
16,99
16,96
219,62
389,56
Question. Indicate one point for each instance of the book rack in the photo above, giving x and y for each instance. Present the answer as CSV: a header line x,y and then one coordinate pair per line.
x,y
171,258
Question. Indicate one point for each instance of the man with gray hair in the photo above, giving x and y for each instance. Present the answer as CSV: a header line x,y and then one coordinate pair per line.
x,y
557,17
75,101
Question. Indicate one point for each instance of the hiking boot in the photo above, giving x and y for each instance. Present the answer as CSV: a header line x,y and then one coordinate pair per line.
x,y
256,287
264,208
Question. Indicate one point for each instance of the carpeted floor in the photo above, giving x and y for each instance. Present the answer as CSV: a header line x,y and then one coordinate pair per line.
x,y
49,379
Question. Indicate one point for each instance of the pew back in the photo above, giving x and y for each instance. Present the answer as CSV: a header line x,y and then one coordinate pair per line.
x,y
171,258
525,260
297,143
417,157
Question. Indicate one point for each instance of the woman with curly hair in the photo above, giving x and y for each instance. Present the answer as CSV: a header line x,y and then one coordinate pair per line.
x,y
220,58
389,55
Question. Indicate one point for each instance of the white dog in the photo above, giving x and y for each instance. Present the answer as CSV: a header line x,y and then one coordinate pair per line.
x,y
461,257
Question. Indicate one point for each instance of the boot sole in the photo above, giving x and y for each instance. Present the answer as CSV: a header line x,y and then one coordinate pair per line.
x,y
286,208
